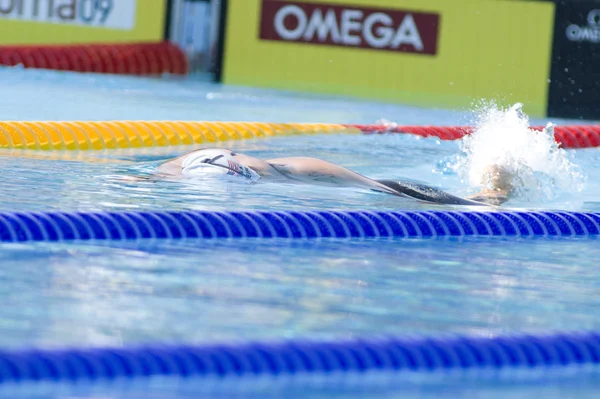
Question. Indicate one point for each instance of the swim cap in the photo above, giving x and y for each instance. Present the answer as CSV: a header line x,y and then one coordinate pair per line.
x,y
204,163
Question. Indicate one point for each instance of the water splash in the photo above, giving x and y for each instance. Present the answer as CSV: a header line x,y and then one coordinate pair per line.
x,y
503,137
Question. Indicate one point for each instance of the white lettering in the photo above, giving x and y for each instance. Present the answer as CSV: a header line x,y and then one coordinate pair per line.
x,y
577,33
590,33
350,27
593,18
408,34
573,32
351,21
323,27
6,7
282,14
585,34
383,35
111,14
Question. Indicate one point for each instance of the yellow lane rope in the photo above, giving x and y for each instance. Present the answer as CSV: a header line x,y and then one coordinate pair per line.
x,y
82,135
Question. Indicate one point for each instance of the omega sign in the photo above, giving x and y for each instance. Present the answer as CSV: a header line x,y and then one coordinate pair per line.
x,y
350,26
589,33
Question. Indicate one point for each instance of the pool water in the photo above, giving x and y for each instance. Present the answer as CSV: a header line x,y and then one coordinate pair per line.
x,y
198,291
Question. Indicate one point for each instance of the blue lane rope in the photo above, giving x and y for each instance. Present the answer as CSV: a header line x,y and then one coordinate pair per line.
x,y
58,226
300,357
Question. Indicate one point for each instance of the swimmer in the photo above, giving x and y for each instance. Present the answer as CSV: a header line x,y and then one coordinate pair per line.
x,y
303,170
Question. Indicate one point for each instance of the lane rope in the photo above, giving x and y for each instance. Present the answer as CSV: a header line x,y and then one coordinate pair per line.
x,y
81,135
573,136
91,135
116,58
61,226
300,357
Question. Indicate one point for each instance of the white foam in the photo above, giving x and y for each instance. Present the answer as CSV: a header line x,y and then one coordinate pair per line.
x,y
503,137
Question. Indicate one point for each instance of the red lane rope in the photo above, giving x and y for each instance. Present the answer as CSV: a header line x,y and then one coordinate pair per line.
x,y
126,59
573,136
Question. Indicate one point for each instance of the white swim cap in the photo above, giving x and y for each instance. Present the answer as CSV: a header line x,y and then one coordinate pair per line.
x,y
204,163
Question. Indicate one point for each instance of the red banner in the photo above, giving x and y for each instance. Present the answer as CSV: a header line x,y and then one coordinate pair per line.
x,y
350,26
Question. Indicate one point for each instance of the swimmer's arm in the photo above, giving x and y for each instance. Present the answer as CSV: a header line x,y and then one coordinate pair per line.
x,y
315,176
319,172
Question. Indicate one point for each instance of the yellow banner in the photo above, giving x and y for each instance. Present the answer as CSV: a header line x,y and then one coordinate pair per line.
x,y
81,21
422,52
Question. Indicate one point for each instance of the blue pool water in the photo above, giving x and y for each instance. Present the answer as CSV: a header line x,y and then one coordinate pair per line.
x,y
193,291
